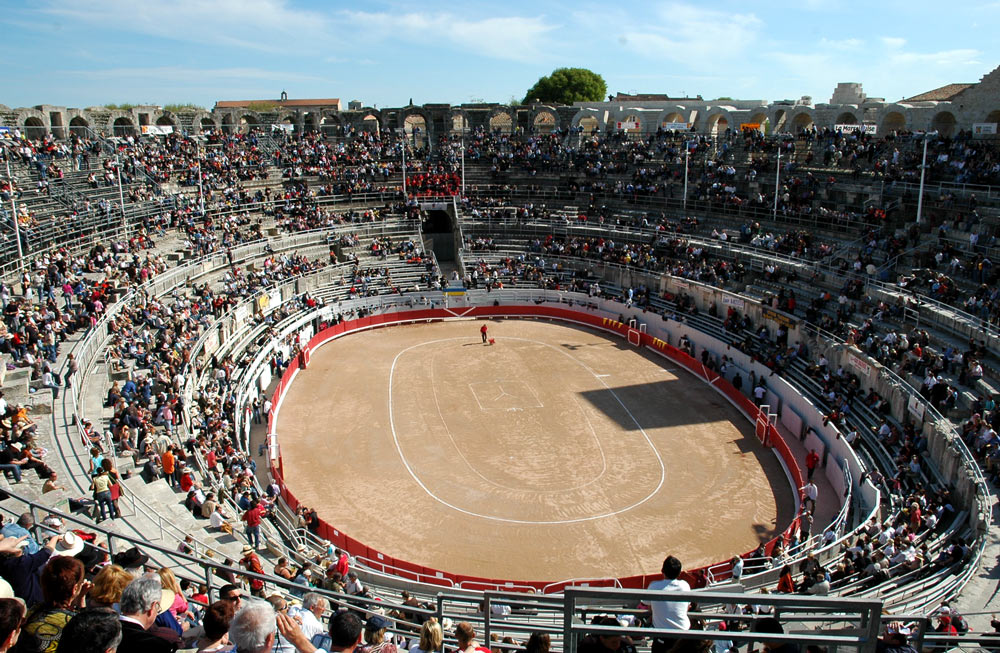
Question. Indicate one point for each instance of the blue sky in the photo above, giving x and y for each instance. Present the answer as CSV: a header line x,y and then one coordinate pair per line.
x,y
87,52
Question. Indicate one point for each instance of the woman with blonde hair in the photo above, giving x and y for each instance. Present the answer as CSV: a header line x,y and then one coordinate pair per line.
x,y
109,583
179,608
375,641
431,637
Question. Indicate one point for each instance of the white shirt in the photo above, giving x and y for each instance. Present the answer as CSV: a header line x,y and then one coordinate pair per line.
x,y
216,520
670,614
310,624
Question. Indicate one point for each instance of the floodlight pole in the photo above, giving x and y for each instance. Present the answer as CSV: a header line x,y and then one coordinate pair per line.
x,y
201,190
402,141
13,208
777,184
687,157
923,172
121,198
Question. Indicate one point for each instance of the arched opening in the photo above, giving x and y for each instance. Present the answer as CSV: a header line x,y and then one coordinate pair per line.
x,y
248,123
78,126
894,121
165,121
994,117
227,124
34,128
415,127
289,124
589,125
944,123
847,118
544,123
501,122
717,124
123,127
802,122
330,126
673,121
207,124
780,121
630,124
370,123
459,123
757,122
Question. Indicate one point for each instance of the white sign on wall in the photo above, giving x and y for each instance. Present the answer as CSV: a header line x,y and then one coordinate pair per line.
x,y
850,129
156,130
860,365
984,128
735,302
675,126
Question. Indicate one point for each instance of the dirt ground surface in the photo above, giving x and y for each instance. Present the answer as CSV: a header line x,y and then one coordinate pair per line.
x,y
556,453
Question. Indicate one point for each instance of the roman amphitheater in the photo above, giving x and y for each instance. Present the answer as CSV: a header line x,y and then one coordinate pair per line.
x,y
509,358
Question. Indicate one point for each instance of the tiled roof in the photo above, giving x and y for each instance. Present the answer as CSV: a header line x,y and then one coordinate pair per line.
x,y
650,97
243,104
943,94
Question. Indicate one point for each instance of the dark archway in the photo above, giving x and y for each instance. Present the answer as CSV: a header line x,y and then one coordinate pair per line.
x,y
79,126
123,127
892,122
34,128
944,123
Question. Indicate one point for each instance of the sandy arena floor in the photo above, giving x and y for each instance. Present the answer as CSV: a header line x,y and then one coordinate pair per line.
x,y
557,453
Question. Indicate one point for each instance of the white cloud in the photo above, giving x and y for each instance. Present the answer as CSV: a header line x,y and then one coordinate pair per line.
x,y
516,38
694,36
958,57
893,42
265,25
845,45
201,76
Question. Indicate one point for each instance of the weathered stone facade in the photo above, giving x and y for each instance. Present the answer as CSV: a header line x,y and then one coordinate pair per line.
x,y
979,103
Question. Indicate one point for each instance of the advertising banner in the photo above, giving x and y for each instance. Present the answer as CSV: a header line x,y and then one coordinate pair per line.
x,y
850,129
156,130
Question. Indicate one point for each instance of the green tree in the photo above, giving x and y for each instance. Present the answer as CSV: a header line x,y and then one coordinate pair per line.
x,y
568,85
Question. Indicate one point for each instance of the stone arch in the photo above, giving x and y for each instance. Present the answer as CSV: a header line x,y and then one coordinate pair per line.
x,y
544,121
779,121
672,115
32,123
760,118
993,116
228,123
34,128
123,126
587,121
589,124
718,122
415,126
203,121
311,121
248,120
847,118
459,121
501,121
944,123
369,121
167,119
79,126
330,124
892,120
802,121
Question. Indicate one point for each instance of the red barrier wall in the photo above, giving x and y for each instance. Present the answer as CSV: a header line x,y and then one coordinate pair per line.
x,y
696,577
